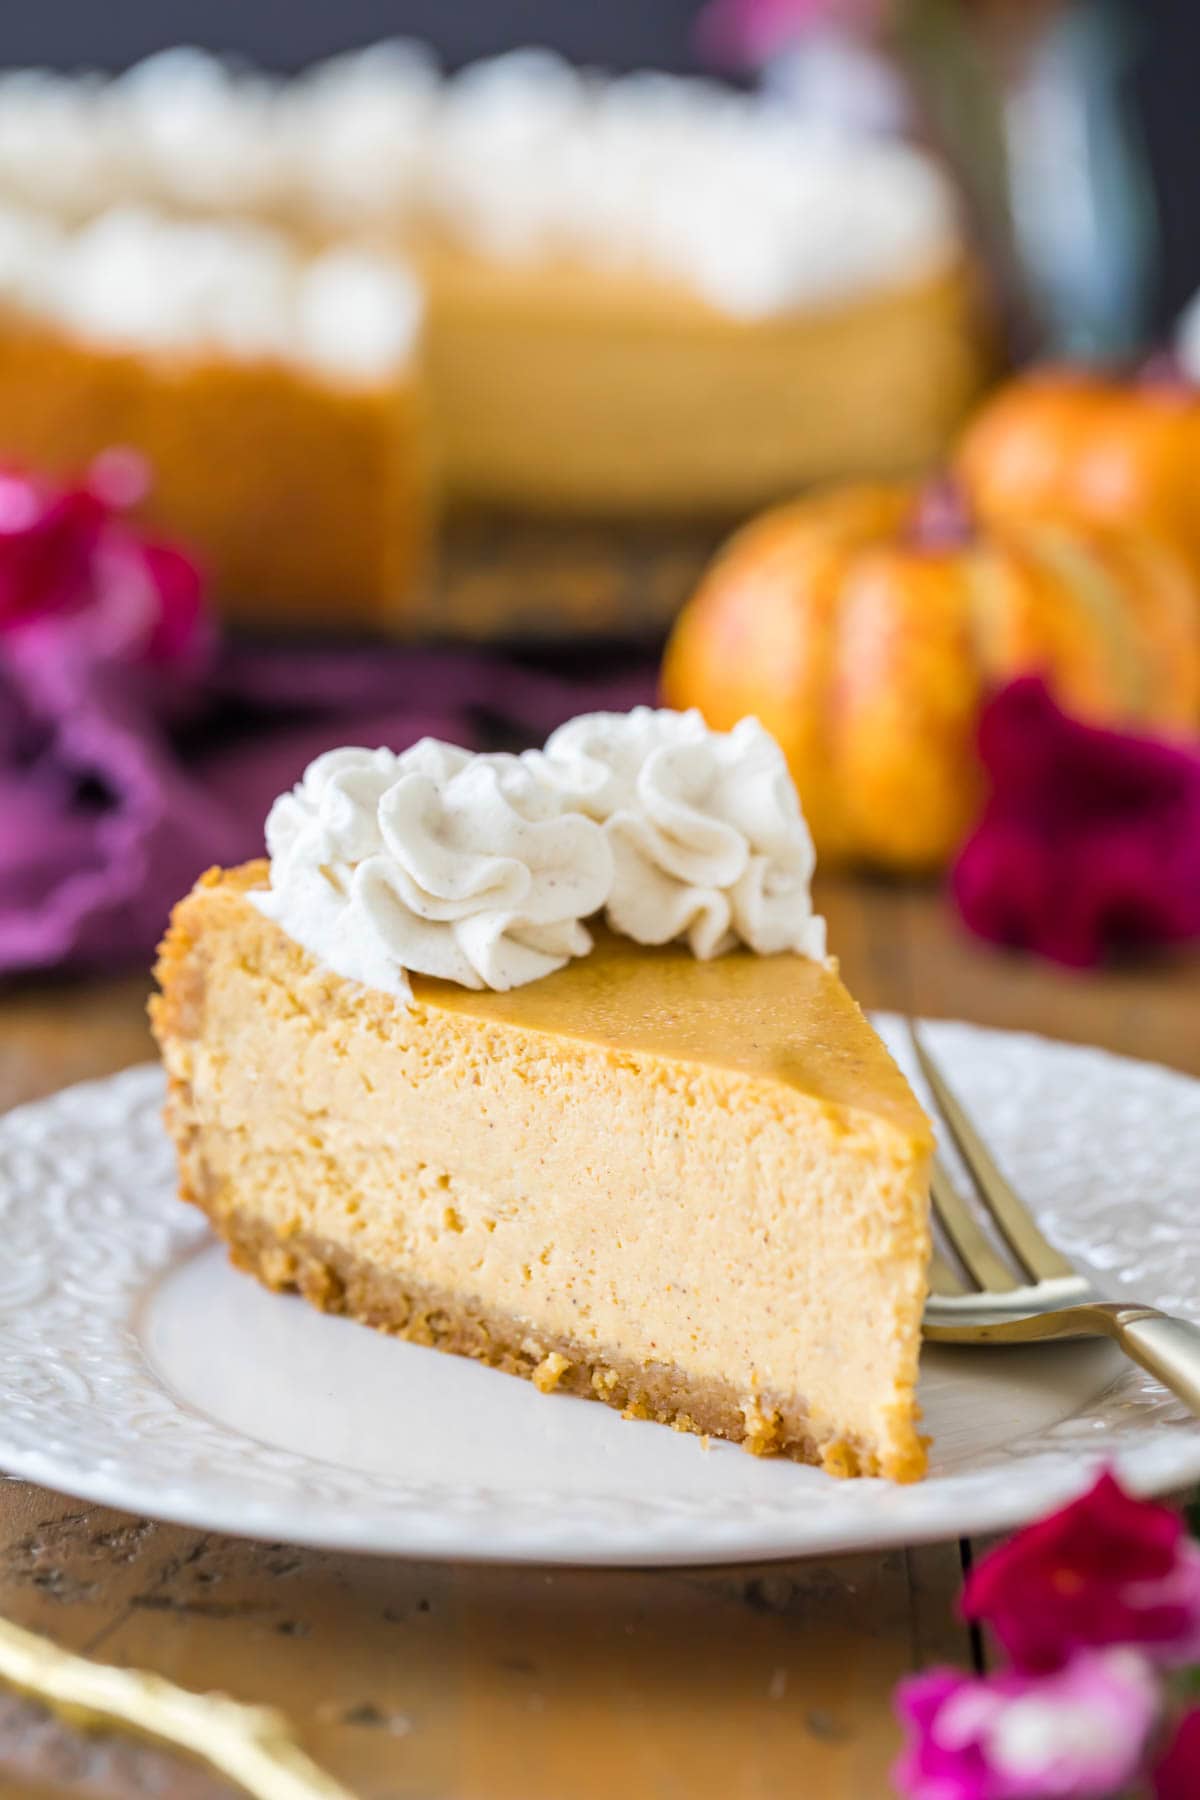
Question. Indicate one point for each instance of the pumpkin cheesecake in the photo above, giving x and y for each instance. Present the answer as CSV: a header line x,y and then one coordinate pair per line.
x,y
540,1060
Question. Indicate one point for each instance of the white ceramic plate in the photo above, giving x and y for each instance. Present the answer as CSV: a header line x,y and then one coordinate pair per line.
x,y
138,1369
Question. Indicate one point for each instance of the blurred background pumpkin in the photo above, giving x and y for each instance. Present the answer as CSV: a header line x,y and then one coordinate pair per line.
x,y
866,625
1079,443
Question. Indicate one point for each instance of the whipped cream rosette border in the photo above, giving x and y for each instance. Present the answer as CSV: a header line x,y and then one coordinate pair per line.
x,y
483,869
521,157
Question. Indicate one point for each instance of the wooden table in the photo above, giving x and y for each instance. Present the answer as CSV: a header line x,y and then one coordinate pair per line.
x,y
451,1683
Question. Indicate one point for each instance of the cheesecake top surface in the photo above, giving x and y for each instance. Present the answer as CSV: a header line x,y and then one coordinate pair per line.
x,y
784,1018
781,1019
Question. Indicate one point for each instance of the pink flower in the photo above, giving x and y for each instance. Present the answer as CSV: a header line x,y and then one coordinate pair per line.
x,y
1177,1776
66,554
748,33
1090,840
48,538
1078,1734
1108,1569
151,595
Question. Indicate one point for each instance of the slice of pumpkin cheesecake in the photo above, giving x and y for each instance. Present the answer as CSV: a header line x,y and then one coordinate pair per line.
x,y
692,1187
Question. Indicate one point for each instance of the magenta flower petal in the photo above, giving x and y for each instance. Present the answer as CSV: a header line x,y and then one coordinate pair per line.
x,y
1177,1775
1089,843
178,588
748,33
1106,1570
48,539
1078,1734
67,551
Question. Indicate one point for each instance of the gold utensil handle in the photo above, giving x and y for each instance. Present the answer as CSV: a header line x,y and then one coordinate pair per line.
x,y
1167,1348
252,1745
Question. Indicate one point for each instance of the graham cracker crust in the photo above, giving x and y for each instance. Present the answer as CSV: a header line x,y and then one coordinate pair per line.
x,y
334,1280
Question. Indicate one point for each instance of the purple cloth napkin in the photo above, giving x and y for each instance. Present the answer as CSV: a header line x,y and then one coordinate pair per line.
x,y
136,750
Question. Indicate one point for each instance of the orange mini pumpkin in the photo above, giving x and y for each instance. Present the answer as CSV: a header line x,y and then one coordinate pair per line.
x,y
1080,444
865,625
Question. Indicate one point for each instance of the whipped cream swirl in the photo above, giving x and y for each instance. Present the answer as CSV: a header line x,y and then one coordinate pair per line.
x,y
135,277
484,870
708,840
520,157
468,868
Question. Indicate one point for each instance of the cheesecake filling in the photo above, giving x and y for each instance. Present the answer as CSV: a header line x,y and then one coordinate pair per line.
x,y
484,869
693,1190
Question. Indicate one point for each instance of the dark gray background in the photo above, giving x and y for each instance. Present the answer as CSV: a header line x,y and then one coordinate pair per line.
x,y
285,34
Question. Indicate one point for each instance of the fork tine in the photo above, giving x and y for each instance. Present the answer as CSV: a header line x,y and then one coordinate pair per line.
x,y
943,1281
984,1265
1041,1259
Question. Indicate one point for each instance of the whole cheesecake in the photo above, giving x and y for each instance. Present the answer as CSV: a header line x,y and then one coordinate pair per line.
x,y
693,1188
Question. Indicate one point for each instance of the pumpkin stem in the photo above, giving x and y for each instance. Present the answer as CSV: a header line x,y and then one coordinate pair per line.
x,y
941,517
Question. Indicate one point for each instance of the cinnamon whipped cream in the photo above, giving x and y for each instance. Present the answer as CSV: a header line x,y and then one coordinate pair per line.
x,y
485,869
521,157
468,868
133,278
709,843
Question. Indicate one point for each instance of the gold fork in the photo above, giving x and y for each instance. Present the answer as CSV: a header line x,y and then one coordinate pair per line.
x,y
1024,1290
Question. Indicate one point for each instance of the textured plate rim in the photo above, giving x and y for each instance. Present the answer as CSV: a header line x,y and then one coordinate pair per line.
x,y
1148,1476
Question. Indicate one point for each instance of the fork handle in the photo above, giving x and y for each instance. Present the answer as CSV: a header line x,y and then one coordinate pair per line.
x,y
1167,1348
